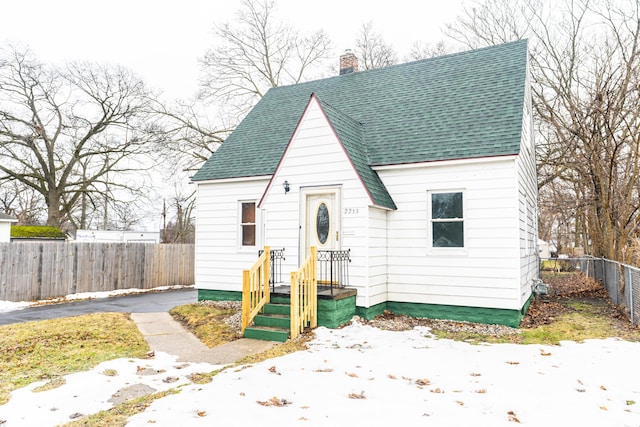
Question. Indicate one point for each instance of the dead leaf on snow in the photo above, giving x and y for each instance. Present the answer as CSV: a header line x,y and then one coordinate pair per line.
x,y
544,353
391,377
512,417
513,363
351,374
481,391
602,387
604,408
273,370
423,381
357,396
460,403
474,374
324,370
274,401
436,390
202,413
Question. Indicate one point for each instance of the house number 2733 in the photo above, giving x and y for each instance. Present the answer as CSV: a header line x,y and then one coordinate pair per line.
x,y
351,211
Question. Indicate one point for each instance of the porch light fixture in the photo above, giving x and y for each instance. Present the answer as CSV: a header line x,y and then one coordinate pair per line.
x,y
285,184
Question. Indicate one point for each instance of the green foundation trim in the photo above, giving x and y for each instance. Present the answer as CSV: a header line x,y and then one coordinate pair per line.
x,y
526,305
449,312
208,294
371,312
333,313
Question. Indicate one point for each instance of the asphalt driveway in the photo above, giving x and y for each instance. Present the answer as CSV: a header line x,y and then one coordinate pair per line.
x,y
148,302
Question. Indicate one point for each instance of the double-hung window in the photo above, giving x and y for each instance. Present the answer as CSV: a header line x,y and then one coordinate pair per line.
x,y
447,220
248,223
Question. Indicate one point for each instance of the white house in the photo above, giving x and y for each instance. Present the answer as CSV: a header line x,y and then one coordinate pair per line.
x,y
5,227
544,249
424,171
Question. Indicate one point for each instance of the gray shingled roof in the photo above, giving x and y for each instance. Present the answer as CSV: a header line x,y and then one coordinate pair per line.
x,y
351,134
5,217
458,106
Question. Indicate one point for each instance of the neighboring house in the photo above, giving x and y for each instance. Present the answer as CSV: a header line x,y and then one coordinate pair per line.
x,y
5,227
543,249
115,236
425,171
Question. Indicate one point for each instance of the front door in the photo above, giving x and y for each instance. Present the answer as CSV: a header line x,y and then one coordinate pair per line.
x,y
321,223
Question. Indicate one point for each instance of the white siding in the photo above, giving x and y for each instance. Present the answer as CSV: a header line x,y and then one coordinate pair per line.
x,y
316,158
377,257
485,273
528,202
5,231
391,256
219,258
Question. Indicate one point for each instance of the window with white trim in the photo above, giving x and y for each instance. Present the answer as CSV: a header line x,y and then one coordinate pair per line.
x,y
247,223
447,220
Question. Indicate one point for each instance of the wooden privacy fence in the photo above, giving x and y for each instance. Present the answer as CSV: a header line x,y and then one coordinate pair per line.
x,y
31,271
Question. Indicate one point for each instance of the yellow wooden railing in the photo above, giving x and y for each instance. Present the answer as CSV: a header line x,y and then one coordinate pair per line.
x,y
255,287
304,295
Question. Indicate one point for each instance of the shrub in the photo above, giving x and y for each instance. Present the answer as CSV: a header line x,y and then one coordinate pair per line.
x,y
559,265
37,231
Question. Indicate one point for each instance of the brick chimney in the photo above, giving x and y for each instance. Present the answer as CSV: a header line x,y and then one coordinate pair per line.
x,y
348,62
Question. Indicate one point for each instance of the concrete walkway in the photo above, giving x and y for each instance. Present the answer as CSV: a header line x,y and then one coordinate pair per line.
x,y
162,333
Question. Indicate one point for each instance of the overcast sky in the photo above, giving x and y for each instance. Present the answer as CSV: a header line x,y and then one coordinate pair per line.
x,y
162,39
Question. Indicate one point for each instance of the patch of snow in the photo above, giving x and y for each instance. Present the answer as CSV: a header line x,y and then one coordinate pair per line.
x,y
360,374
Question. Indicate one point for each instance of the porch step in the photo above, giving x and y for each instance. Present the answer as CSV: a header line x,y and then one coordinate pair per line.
x,y
272,324
266,333
282,321
272,308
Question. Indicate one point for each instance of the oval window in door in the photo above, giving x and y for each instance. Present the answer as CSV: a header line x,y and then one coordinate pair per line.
x,y
322,223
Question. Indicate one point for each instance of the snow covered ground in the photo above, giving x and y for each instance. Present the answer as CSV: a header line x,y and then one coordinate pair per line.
x,y
363,374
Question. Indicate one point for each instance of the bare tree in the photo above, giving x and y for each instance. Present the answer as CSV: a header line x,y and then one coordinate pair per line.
x,y
70,134
180,227
186,131
423,50
490,22
372,50
258,52
585,67
23,203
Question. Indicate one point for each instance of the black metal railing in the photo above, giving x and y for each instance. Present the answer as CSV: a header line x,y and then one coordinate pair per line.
x,y
277,256
333,268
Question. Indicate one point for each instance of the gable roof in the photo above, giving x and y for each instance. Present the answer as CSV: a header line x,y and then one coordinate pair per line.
x,y
464,105
351,134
